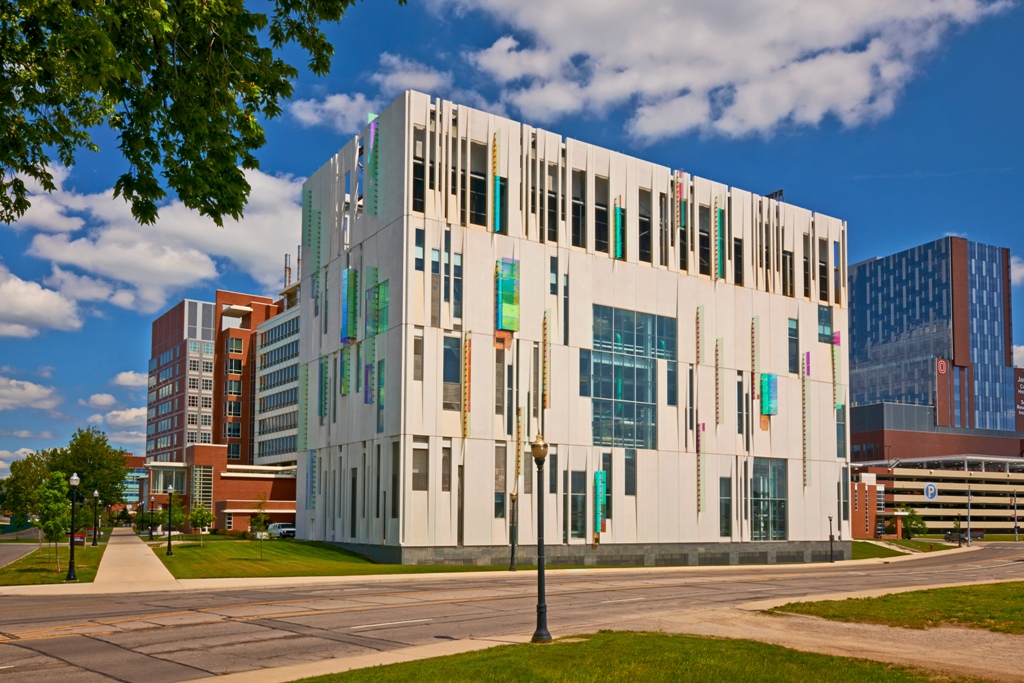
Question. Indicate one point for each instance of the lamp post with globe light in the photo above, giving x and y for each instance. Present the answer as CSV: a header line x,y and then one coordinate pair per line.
x,y
73,481
539,449
152,504
95,516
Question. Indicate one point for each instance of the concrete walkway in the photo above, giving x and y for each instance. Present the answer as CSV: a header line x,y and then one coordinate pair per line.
x,y
130,565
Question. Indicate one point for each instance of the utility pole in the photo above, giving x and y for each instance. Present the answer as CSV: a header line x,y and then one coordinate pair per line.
x,y
1015,539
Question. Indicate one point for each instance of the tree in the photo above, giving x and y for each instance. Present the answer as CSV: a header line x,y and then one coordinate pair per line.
x,y
259,522
913,524
183,85
177,517
199,519
21,487
54,514
100,466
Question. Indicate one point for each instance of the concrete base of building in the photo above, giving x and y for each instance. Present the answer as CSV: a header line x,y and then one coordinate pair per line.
x,y
613,555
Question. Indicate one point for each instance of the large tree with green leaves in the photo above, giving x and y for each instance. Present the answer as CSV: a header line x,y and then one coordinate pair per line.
x,y
21,487
100,466
183,84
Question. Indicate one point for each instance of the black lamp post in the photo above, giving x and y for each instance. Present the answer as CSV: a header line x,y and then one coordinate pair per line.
x,y
95,516
514,531
73,481
959,533
539,448
152,502
170,513
831,556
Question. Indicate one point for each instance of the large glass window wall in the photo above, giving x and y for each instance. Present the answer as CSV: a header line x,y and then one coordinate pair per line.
x,y
769,500
624,377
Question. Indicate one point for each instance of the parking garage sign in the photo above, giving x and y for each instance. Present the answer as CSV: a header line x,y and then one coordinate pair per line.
x,y
931,492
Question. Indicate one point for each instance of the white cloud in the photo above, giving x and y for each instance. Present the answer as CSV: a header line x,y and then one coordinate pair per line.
x,y
398,75
130,378
1018,356
346,114
16,394
731,67
117,261
96,419
130,417
1017,270
45,371
26,434
28,307
98,401
79,287
127,437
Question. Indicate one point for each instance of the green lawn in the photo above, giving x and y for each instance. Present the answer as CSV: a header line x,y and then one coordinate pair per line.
x,y
626,656
39,566
219,560
996,607
920,546
862,550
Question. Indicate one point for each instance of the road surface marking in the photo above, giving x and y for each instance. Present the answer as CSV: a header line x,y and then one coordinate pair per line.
x,y
393,623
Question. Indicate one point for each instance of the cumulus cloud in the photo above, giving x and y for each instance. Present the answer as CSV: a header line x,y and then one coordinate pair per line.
x,y
398,75
96,419
16,394
130,378
1017,270
732,67
132,438
117,261
130,417
346,114
45,371
98,401
1018,356
28,307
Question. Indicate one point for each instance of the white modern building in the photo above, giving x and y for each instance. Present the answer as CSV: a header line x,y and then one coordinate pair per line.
x,y
276,407
469,281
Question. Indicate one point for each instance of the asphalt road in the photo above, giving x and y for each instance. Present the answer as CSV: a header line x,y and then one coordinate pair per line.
x,y
169,637
9,552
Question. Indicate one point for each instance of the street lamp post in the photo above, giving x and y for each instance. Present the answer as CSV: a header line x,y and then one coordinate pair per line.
x,y
95,516
514,530
170,513
959,532
539,448
73,481
968,515
1015,525
831,556
152,504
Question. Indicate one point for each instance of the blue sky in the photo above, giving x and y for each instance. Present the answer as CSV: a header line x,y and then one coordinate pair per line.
x,y
902,118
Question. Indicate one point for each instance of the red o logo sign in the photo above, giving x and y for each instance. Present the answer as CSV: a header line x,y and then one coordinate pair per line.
x,y
942,366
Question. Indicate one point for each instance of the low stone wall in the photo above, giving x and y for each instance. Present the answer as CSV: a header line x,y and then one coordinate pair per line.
x,y
617,555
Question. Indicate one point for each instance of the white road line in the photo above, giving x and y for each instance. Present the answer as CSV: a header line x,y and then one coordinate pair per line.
x,y
393,623
7,667
603,602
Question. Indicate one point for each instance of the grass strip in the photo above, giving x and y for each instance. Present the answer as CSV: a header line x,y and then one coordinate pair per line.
x,y
919,546
39,566
281,558
862,550
995,607
637,656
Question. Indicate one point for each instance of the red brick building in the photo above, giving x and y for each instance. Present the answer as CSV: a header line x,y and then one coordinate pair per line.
x,y
231,491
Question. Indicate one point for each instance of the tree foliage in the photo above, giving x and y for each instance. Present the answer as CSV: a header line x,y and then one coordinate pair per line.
x,y
183,85
54,512
21,487
100,466
260,520
199,519
913,523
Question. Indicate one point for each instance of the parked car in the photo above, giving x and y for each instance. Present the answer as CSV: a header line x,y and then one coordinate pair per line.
x,y
283,530
976,535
